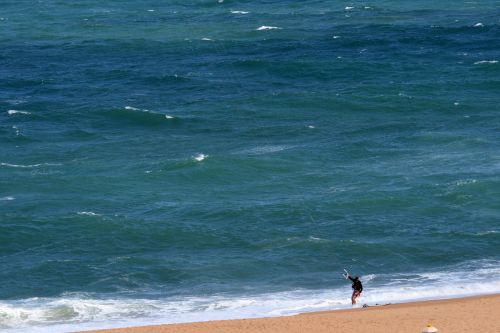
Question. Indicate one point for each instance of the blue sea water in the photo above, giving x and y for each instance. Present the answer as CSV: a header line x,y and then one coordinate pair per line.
x,y
172,161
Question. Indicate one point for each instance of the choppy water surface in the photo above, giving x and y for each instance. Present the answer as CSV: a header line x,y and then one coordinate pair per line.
x,y
168,161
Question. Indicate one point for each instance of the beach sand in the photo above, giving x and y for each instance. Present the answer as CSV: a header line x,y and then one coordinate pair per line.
x,y
479,314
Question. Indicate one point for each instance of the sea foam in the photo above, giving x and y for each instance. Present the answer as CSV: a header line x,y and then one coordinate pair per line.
x,y
28,165
486,62
12,112
83,311
200,157
267,27
88,213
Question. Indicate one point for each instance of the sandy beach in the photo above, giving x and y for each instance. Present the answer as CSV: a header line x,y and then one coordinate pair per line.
x,y
472,314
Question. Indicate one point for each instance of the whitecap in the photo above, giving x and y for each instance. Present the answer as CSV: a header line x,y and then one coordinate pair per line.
x,y
200,157
11,112
132,108
87,213
486,62
204,38
311,126
488,232
151,10
267,27
169,117
336,37
348,8
28,165
478,25
238,12
317,239
9,198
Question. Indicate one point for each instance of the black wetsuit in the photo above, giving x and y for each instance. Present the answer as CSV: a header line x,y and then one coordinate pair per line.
x,y
356,284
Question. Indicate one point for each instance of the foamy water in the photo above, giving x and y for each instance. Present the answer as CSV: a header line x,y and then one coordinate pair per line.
x,y
82,312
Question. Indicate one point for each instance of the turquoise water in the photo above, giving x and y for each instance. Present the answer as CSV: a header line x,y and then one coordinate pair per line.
x,y
170,161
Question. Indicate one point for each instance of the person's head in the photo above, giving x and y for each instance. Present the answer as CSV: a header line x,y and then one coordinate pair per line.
x,y
356,278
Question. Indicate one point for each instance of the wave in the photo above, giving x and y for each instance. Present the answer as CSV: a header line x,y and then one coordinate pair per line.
x,y
486,62
83,311
131,108
28,165
8,198
200,157
267,27
12,112
88,213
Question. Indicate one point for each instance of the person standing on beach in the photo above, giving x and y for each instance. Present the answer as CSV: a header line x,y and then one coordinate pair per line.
x,y
357,287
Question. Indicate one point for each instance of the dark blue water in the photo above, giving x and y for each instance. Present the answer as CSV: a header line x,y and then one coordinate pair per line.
x,y
166,161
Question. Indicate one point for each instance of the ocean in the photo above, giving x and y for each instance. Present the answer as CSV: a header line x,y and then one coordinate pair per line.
x,y
177,161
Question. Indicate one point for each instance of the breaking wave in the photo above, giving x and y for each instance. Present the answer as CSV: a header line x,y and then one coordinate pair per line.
x,y
83,311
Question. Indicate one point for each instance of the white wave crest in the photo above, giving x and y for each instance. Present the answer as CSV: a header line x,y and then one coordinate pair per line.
x,y
488,232
11,112
200,157
9,198
88,213
239,12
478,25
134,109
486,62
267,27
28,165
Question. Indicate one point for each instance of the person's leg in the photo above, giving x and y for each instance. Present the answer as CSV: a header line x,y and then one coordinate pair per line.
x,y
355,294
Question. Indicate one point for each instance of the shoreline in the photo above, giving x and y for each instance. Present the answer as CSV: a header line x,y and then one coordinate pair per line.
x,y
473,313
